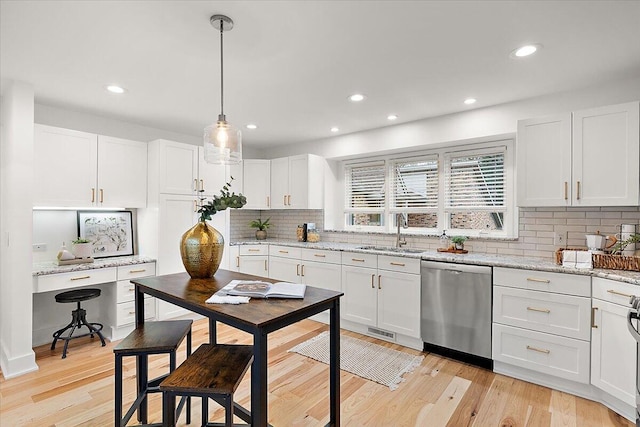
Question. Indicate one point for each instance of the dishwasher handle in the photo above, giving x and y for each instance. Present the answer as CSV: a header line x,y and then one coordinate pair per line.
x,y
455,268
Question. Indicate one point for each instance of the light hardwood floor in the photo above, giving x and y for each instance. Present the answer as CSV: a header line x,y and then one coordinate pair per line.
x,y
78,391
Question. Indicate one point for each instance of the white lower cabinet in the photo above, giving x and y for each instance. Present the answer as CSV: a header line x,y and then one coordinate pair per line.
x,y
382,292
253,259
613,349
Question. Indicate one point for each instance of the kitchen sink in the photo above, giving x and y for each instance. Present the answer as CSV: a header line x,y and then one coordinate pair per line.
x,y
391,249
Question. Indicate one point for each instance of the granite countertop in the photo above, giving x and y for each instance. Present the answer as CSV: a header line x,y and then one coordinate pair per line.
x,y
525,263
51,267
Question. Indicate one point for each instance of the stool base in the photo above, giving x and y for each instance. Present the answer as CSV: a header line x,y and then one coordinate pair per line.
x,y
78,320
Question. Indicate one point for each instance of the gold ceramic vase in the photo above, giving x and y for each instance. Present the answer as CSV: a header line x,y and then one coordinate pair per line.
x,y
201,248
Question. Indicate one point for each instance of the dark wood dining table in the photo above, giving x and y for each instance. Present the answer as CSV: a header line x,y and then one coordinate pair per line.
x,y
259,317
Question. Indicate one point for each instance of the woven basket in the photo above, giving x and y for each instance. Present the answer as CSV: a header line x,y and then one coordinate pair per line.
x,y
616,262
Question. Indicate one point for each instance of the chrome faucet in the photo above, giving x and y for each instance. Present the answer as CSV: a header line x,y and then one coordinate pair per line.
x,y
401,219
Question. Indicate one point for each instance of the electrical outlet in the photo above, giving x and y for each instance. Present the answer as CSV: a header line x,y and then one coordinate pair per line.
x,y
559,238
39,247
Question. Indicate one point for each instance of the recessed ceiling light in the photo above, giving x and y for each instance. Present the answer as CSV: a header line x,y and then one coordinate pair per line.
x,y
252,126
334,129
115,89
526,50
392,117
470,101
357,97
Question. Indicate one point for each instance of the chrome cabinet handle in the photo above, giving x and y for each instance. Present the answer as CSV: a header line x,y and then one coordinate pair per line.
x,y
539,350
533,279
541,310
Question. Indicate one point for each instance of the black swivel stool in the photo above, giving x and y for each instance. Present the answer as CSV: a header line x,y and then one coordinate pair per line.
x,y
157,337
212,371
78,318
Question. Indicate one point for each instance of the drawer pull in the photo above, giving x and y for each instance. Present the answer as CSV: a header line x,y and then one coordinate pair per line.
x,y
132,312
539,350
533,279
372,277
401,264
379,278
131,289
254,250
611,291
302,270
81,278
237,261
266,268
357,259
284,252
142,270
593,317
297,269
566,191
320,255
101,195
541,310
93,195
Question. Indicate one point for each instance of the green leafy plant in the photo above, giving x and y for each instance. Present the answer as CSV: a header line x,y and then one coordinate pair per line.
x,y
80,240
260,224
225,200
458,239
619,247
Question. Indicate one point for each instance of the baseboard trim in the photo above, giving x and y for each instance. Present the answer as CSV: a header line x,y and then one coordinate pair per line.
x,y
16,366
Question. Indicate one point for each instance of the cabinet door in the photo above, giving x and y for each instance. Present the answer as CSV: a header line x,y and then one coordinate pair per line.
x,y
399,302
122,173
284,269
322,275
360,295
178,168
211,177
544,161
234,258
613,352
299,182
65,167
257,265
280,183
606,156
257,183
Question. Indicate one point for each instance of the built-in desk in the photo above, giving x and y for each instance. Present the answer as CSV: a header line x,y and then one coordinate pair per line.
x,y
115,306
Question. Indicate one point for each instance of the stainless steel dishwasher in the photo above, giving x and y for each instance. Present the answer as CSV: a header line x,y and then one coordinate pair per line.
x,y
456,310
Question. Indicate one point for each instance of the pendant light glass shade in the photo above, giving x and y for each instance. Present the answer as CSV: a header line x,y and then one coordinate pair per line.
x,y
222,143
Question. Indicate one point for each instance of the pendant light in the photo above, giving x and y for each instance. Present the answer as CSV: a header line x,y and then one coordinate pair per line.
x,y
222,143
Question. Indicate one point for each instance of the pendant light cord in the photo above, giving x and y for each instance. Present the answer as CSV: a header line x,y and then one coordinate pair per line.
x,y
221,69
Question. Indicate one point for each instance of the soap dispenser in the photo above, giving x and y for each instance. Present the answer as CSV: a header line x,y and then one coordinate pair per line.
x,y
444,241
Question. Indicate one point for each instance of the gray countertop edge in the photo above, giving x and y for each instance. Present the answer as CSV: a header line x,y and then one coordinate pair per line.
x,y
50,267
524,263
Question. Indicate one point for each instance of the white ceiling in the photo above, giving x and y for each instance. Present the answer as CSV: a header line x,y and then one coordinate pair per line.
x,y
290,66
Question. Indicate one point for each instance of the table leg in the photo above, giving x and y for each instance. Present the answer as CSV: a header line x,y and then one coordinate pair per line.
x,y
141,360
213,336
259,380
334,364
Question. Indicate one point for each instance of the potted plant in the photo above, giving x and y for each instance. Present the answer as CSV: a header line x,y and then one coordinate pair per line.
x,y
261,232
458,242
81,248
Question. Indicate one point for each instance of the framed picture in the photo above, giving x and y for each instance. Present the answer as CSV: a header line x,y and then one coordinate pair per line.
x,y
110,232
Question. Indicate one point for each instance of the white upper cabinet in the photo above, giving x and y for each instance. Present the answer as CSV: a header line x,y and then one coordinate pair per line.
x,y
177,167
297,182
256,185
544,161
211,176
79,169
588,158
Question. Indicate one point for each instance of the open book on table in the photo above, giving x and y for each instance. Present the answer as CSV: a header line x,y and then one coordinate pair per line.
x,y
259,289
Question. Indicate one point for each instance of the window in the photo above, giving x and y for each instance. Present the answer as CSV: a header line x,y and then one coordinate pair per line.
x,y
475,190
414,190
466,192
365,194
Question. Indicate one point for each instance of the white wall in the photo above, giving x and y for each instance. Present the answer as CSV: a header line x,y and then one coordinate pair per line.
x,y
476,125
16,354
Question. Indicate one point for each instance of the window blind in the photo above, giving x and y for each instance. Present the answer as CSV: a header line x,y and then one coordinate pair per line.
x,y
414,183
476,180
365,187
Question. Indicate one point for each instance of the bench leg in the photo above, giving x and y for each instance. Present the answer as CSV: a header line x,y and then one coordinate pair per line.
x,y
228,410
169,409
205,411
118,388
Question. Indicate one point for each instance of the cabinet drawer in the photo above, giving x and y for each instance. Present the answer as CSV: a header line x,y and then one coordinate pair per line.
x,y
360,260
550,354
126,311
614,291
560,283
558,314
285,251
254,249
400,264
75,279
333,257
125,291
135,271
